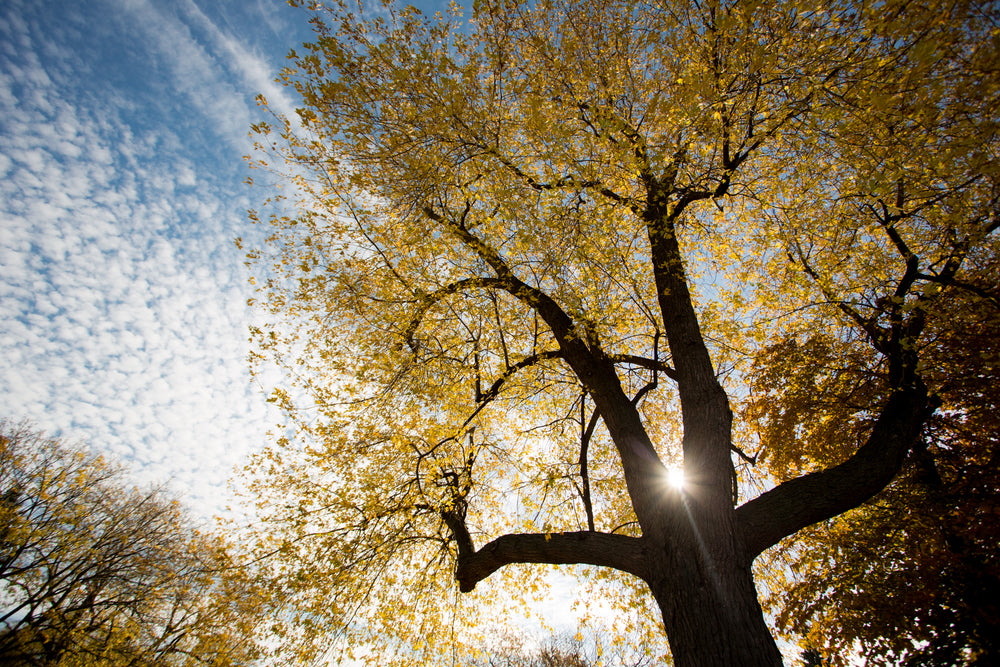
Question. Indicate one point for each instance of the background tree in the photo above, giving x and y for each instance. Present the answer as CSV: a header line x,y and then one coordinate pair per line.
x,y
913,577
531,256
594,644
557,651
96,572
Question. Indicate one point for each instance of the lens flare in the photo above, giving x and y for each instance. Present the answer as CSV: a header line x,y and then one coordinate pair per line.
x,y
675,477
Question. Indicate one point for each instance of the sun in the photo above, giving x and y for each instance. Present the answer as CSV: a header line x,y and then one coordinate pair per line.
x,y
675,477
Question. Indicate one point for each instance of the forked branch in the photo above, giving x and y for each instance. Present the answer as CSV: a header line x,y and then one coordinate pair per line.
x,y
483,399
427,301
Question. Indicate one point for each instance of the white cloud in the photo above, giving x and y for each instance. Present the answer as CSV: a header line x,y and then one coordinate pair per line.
x,y
213,69
124,299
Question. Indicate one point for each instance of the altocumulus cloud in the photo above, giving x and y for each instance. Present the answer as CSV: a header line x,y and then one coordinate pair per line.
x,y
124,300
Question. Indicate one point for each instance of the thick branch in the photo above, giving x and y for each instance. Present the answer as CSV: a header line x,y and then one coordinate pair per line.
x,y
993,296
704,405
818,496
494,389
568,182
555,317
595,371
587,365
876,334
602,549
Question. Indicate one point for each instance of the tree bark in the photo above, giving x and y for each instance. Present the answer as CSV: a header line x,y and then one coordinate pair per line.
x,y
799,502
712,616
601,549
703,583
699,573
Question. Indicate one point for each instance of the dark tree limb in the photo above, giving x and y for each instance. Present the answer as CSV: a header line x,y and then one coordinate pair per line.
x,y
797,503
484,398
594,370
602,549
586,433
644,362
558,321
876,334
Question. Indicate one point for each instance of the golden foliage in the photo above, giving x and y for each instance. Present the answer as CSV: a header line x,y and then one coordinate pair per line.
x,y
474,201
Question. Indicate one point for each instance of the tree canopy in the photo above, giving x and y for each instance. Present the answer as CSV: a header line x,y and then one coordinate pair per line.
x,y
530,258
95,572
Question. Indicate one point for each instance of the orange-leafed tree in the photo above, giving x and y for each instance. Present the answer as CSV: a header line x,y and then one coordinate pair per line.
x,y
914,576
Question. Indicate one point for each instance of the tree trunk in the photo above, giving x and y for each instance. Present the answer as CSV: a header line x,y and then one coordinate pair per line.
x,y
708,599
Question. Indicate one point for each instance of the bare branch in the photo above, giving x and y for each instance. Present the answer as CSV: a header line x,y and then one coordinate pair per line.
x,y
586,433
494,390
644,362
427,301
876,334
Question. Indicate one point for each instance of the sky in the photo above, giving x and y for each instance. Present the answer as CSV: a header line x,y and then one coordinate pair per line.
x,y
122,129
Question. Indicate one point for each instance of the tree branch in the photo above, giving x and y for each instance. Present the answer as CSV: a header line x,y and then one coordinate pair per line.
x,y
621,552
586,433
428,300
993,296
494,390
594,370
562,182
561,324
644,362
876,334
797,503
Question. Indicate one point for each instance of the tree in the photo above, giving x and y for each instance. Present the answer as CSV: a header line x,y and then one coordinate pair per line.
x,y
555,652
95,572
531,256
913,577
582,650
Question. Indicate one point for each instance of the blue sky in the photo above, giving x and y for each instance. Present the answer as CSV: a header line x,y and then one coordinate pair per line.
x,y
122,129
